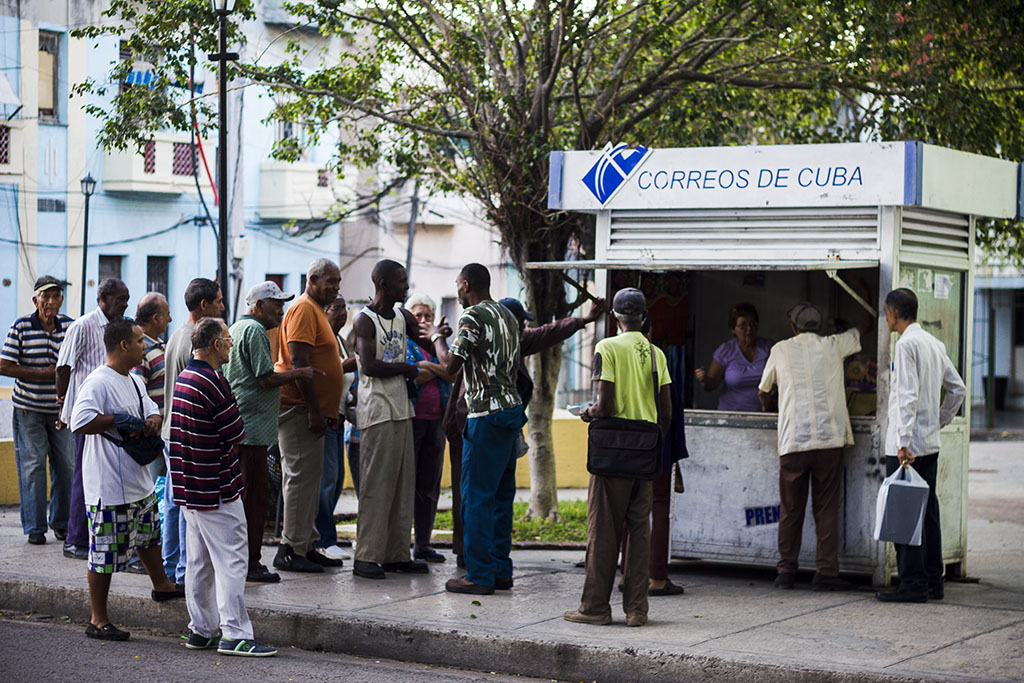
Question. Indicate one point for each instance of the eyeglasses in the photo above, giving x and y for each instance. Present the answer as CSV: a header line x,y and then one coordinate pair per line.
x,y
229,340
747,326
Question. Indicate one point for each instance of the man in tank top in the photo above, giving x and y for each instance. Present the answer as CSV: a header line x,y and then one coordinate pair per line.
x,y
384,412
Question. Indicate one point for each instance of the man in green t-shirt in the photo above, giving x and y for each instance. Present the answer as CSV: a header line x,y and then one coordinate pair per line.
x,y
625,389
250,371
487,347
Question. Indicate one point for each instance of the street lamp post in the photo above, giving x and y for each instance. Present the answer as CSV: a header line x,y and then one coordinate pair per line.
x,y
88,187
222,8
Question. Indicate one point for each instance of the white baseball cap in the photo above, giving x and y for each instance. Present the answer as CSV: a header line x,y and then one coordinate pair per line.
x,y
805,316
266,290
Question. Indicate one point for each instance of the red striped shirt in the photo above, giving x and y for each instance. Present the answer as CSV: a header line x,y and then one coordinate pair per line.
x,y
205,427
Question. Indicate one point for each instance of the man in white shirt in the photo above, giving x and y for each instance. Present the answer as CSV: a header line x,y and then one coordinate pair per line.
x,y
119,497
82,352
921,370
814,426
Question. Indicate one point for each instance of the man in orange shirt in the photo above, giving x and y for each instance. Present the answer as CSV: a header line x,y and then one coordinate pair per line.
x,y
308,408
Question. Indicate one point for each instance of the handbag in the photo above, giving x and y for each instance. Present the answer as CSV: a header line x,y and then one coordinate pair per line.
x,y
632,449
142,449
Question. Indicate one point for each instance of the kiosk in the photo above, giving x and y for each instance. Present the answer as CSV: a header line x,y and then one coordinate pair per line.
x,y
701,229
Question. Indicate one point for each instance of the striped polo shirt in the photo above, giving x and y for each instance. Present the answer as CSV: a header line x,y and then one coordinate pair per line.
x,y
83,352
31,345
205,427
151,370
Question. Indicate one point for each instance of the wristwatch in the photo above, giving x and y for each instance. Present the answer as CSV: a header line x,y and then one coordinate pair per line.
x,y
434,337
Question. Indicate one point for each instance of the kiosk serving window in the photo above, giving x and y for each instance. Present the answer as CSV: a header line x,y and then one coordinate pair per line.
x,y
691,309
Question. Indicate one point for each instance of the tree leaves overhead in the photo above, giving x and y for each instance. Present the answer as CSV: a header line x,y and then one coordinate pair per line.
x,y
472,96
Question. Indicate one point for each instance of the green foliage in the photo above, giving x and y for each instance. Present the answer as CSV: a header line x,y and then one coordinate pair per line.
x,y
572,527
472,97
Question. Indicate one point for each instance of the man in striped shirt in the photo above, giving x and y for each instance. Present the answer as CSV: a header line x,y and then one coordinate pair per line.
x,y
30,356
206,476
82,352
153,315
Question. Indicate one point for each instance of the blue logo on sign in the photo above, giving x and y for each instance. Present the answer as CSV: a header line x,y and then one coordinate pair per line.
x,y
612,170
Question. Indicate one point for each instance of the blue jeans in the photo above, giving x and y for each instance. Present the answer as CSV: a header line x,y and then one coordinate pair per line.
x,y
173,540
488,489
35,437
331,482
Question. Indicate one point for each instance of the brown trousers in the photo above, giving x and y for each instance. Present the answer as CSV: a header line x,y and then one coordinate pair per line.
x,y
661,508
455,459
611,503
253,460
823,470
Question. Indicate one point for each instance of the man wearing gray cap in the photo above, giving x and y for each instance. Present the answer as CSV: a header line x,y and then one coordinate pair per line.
x,y
250,372
814,425
30,356
623,371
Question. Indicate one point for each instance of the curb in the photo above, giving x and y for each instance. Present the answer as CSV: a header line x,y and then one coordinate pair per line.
x,y
438,645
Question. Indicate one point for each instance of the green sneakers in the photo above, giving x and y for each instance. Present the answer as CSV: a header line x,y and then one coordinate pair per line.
x,y
198,642
244,648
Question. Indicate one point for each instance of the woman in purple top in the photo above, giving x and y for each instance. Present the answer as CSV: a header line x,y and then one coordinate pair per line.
x,y
739,362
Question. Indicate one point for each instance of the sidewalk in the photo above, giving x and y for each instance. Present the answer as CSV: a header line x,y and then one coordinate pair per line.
x,y
731,624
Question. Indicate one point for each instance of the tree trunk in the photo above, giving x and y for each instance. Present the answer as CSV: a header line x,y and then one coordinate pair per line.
x,y
544,367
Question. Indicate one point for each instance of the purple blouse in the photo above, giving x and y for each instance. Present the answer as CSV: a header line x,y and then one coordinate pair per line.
x,y
739,387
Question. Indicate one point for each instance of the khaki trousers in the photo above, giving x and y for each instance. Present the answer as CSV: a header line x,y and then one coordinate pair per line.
x,y
612,503
302,462
387,485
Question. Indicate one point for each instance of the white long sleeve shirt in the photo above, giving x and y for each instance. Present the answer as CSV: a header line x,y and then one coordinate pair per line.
x,y
812,394
920,370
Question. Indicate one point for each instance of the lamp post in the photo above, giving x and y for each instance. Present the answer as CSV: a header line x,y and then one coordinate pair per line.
x,y
88,187
222,8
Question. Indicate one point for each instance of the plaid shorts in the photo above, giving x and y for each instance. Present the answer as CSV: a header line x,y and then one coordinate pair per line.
x,y
116,529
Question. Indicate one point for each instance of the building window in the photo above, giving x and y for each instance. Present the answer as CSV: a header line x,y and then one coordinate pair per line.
x,y
110,266
184,159
321,177
157,274
5,145
51,205
49,74
149,157
124,52
277,279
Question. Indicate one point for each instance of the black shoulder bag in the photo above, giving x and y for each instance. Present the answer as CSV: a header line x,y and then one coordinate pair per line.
x,y
631,449
142,449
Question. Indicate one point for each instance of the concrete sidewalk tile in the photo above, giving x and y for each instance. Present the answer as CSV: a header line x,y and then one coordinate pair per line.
x,y
996,655
866,632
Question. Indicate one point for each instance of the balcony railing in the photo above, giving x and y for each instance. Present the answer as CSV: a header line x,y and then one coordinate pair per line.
x,y
163,166
297,191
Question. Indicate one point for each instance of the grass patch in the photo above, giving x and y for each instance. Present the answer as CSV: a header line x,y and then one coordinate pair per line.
x,y
572,527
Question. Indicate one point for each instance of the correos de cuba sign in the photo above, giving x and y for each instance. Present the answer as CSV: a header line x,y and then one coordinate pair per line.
x,y
635,177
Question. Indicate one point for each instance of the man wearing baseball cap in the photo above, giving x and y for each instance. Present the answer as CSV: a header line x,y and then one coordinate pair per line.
x,y
623,372
257,390
814,425
30,356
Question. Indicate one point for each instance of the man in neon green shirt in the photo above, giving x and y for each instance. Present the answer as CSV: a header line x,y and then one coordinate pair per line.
x,y
622,369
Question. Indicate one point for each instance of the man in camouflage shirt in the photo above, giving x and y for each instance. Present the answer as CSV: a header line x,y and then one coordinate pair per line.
x,y
487,346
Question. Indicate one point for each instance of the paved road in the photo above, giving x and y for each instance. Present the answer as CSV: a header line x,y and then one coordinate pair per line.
x,y
43,650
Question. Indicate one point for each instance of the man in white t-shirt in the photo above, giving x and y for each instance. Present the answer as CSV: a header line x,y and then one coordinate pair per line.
x,y
814,426
119,498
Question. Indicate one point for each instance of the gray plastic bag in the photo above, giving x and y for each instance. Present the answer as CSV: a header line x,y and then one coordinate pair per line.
x,y
899,511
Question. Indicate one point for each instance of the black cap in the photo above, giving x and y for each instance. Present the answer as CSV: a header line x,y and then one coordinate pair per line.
x,y
516,306
49,282
629,301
